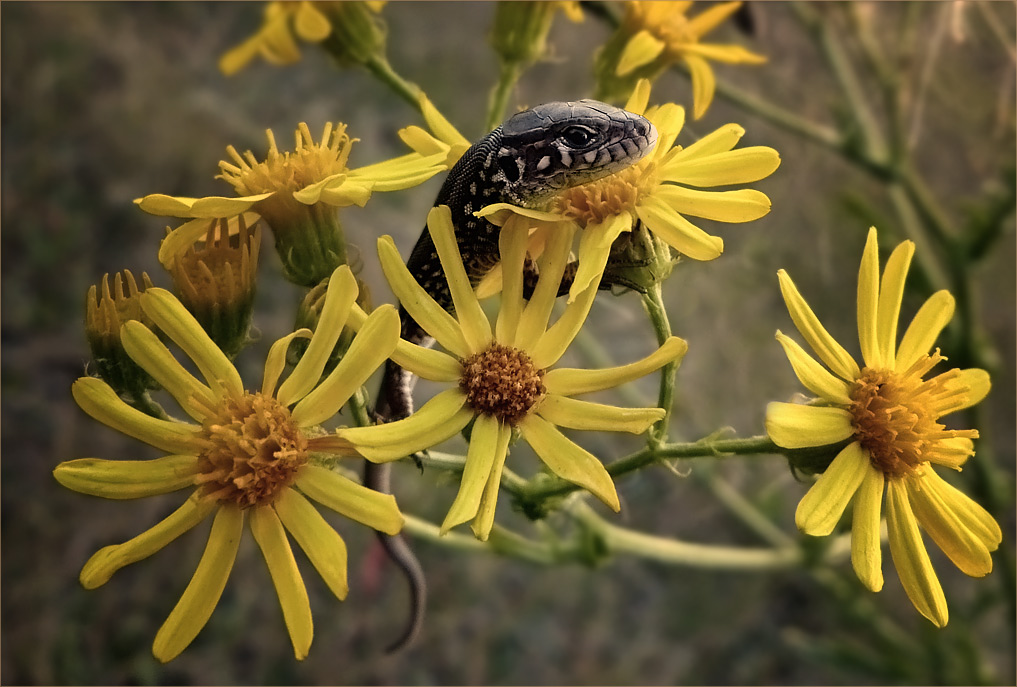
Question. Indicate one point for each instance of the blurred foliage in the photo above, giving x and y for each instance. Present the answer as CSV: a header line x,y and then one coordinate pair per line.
x,y
105,102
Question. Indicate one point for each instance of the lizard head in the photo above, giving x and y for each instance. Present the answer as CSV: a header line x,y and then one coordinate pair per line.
x,y
563,144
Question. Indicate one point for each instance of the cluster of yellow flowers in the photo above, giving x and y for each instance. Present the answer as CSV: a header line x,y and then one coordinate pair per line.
x,y
263,456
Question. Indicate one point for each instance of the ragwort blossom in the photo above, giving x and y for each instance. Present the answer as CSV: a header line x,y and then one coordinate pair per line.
x,y
889,412
501,374
659,191
246,456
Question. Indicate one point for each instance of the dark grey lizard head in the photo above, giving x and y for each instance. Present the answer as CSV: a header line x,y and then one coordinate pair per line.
x,y
564,144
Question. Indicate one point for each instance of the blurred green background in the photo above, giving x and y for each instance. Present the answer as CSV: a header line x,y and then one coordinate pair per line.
x,y
106,102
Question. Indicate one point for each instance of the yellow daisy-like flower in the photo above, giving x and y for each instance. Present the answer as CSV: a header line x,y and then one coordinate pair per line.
x,y
247,455
655,35
890,414
658,191
501,374
297,193
311,22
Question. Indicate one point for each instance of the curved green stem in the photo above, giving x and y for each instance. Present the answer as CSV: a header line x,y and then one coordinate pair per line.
x,y
498,101
407,90
654,304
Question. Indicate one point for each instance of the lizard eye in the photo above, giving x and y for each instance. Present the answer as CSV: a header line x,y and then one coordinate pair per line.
x,y
577,136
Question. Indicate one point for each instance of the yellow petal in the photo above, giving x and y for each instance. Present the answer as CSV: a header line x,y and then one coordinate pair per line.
x,y
743,205
322,544
570,382
289,586
594,249
275,362
441,127
437,420
127,479
868,302
107,560
421,142
555,341
480,458
704,83
426,363
740,166
641,49
814,376
311,24
821,508
924,329
551,266
206,586
512,246
976,382
311,194
791,425
891,292
239,57
576,414
568,460
678,232
484,520
181,327
475,325
726,53
669,120
710,18
98,399
211,207
951,453
910,557
152,355
370,348
972,516
824,345
866,552
961,545
639,98
418,303
499,213
720,140
372,508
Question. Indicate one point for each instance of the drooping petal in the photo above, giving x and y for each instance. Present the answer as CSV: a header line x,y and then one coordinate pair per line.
x,y
866,551
202,594
743,205
678,232
275,362
570,382
704,83
594,249
553,343
963,547
484,520
418,303
98,399
499,213
972,516
792,425
289,586
824,345
740,166
372,508
910,557
152,355
107,560
322,544
533,321
475,325
641,49
212,207
891,292
172,317
441,127
426,363
576,414
568,460
370,348
868,302
812,375
823,505
924,329
127,479
512,244
480,459
341,294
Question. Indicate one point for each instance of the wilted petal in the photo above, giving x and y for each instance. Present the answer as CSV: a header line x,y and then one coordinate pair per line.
x,y
822,507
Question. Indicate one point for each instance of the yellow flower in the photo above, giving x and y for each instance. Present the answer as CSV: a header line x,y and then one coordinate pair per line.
x,y
105,312
297,193
501,374
348,23
444,139
247,455
656,191
655,35
890,414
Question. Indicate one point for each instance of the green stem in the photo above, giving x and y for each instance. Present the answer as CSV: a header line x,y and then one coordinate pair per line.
x,y
654,304
407,90
143,401
498,101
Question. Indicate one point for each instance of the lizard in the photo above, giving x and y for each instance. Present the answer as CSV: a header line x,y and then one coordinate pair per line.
x,y
525,161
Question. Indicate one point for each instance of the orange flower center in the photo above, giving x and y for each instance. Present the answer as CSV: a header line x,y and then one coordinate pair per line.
x,y
502,381
614,195
895,415
255,450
